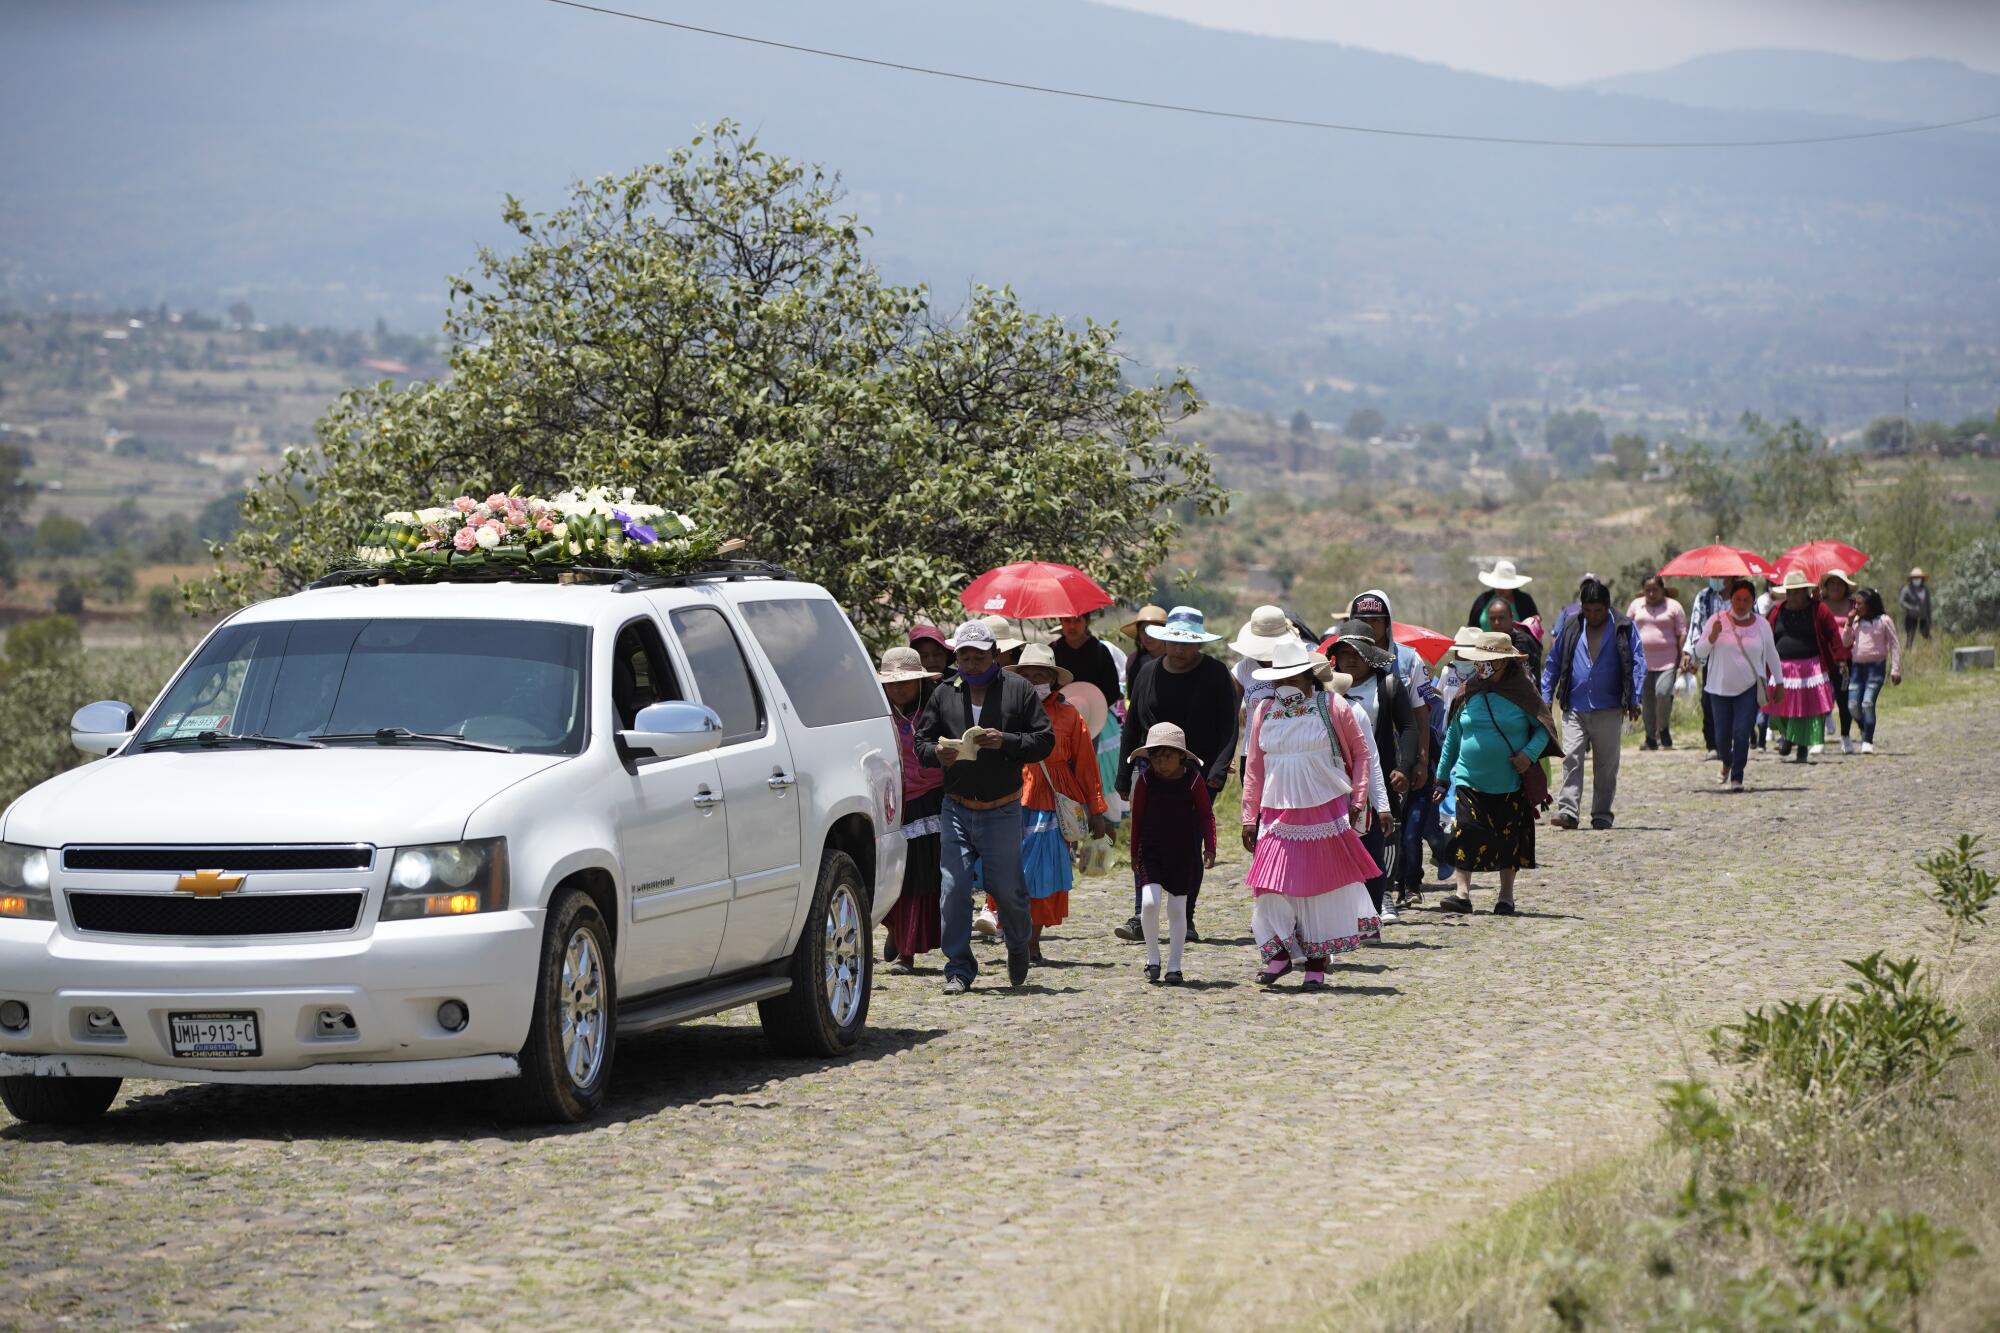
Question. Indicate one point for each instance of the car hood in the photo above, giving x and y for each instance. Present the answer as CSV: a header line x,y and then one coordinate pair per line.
x,y
384,795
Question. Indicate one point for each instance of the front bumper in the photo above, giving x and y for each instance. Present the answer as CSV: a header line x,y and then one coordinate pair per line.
x,y
390,982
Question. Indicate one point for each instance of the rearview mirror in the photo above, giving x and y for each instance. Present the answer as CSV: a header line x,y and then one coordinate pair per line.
x,y
673,730
102,727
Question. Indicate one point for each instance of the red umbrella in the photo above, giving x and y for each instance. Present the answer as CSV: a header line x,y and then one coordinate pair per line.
x,y
1034,590
1816,558
1717,562
1430,644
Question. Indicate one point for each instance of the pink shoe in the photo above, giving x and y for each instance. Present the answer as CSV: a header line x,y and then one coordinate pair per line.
x,y
1273,970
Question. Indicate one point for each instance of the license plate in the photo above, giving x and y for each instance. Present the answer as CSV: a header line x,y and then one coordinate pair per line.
x,y
211,1036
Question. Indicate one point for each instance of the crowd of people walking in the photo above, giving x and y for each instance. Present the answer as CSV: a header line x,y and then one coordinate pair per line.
x,y
1356,754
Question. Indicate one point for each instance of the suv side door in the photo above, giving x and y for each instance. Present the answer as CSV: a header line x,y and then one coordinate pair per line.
x,y
759,788
672,839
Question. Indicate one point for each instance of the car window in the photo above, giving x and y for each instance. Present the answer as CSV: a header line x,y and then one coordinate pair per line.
x,y
640,672
818,659
721,676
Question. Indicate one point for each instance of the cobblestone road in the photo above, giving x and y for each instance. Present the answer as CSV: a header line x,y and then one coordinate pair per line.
x,y
1005,1156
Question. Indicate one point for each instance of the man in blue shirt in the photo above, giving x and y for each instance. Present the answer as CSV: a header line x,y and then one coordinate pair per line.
x,y
1595,675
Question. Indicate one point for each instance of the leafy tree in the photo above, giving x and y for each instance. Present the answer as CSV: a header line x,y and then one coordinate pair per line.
x,y
60,535
1572,437
1796,475
1970,598
709,332
1909,524
69,598
46,643
1365,423
1707,487
1886,435
118,576
221,518
163,608
1628,456
1302,424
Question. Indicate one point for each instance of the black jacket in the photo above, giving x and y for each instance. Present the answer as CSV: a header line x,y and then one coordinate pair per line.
x,y
1012,708
1201,702
1395,730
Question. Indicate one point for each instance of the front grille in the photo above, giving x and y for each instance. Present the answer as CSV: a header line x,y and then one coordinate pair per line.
x,y
258,914
186,859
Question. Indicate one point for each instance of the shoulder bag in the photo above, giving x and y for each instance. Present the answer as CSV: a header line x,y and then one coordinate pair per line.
x,y
1534,782
1763,690
1071,818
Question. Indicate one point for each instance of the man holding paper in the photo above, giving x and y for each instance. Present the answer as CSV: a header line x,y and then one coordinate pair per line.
x,y
980,729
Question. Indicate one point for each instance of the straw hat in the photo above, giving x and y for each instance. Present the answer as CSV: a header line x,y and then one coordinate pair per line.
x,y
1088,700
1003,634
1185,624
1148,615
1464,637
1796,581
1504,575
902,664
1489,646
1290,658
1356,635
1837,573
1041,655
1167,736
1917,572
1267,627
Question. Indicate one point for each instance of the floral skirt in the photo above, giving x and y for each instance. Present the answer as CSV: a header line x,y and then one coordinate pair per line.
x,y
1302,853
913,923
1491,830
1803,690
1316,927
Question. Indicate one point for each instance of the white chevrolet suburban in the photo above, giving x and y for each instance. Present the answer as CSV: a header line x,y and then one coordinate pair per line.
x,y
384,834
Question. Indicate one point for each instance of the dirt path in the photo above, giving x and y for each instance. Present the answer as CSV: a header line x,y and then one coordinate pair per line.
x,y
1004,1156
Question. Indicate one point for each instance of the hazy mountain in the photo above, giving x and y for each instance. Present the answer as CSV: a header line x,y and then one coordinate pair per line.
x,y
335,162
1901,92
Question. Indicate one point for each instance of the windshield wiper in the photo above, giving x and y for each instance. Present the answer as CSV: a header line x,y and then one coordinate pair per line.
x,y
215,738
394,735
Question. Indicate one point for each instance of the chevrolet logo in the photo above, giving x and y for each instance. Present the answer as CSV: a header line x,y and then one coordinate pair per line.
x,y
208,884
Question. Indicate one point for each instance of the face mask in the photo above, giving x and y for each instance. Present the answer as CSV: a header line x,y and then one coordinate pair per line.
x,y
1916,583
986,677
1289,696
1715,585
1042,690
1486,670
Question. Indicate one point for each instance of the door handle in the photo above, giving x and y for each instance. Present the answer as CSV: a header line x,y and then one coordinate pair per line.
x,y
780,780
706,799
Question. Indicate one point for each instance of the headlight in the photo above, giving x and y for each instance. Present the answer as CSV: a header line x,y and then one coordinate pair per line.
x,y
24,884
447,879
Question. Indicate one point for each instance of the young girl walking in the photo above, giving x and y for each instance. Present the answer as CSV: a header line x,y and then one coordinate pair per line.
x,y
1873,650
1305,799
1173,841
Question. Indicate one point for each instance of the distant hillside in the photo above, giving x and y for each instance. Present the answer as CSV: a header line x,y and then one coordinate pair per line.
x,y
1902,92
334,162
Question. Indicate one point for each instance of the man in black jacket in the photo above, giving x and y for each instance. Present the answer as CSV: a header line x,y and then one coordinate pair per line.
x,y
1194,692
981,818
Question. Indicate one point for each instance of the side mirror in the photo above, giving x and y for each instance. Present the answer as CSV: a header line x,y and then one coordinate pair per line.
x,y
673,730
102,727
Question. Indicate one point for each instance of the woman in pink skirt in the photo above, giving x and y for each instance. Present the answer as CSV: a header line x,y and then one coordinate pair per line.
x,y
1305,794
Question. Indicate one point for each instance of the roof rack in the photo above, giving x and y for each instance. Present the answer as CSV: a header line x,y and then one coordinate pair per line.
x,y
620,580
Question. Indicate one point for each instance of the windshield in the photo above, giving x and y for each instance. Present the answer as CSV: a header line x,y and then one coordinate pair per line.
x,y
516,684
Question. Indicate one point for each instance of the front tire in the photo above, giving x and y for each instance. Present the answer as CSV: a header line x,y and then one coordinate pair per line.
x,y
832,970
57,1101
566,1063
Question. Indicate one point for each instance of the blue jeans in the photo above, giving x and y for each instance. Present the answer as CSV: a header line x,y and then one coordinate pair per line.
x,y
993,839
1864,682
1735,717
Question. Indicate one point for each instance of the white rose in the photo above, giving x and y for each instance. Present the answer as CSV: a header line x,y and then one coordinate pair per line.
x,y
560,531
487,538
400,516
687,524
432,515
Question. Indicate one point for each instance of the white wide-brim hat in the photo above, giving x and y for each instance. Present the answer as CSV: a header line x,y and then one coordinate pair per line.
x,y
1503,575
1796,581
1185,624
1489,646
1267,627
1041,655
1003,634
1291,658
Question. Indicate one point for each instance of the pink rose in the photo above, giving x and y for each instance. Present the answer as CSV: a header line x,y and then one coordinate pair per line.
x,y
465,538
465,504
497,525
546,524
496,501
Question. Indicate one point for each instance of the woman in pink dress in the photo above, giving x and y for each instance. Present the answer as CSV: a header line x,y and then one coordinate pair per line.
x,y
1305,796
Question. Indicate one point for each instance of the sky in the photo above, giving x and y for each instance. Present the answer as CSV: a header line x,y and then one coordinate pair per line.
x,y
1572,41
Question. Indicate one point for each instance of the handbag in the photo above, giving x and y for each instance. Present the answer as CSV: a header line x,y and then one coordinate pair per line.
x,y
1071,819
1535,780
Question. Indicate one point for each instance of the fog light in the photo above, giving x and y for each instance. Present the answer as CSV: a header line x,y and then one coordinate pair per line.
x,y
453,1016
13,1015
103,1023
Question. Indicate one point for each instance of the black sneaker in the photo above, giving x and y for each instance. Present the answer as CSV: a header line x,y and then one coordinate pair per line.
x,y
1131,930
1017,969
1666,740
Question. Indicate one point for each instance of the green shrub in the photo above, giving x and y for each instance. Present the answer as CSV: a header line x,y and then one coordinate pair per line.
x,y
1970,598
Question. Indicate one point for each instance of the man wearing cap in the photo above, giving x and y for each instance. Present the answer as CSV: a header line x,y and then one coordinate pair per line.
x,y
1194,692
981,818
1915,599
1595,674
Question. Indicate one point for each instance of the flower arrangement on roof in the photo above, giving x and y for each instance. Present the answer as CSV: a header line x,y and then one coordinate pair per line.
x,y
595,527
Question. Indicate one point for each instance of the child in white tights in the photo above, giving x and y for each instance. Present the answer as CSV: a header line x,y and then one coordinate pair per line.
x,y
1173,841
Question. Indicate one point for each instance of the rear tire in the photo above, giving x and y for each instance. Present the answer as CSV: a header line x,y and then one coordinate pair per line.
x,y
832,969
57,1101
566,1063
